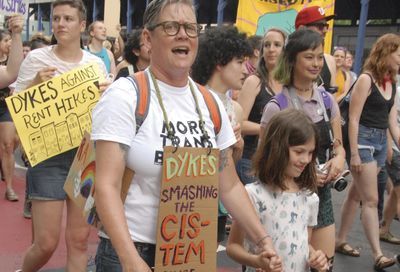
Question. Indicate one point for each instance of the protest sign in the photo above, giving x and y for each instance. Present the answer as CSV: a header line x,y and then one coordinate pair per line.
x,y
79,185
257,16
80,182
187,219
52,116
10,7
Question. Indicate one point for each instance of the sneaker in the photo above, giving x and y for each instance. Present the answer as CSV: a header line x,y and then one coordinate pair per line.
x,y
10,195
389,238
28,209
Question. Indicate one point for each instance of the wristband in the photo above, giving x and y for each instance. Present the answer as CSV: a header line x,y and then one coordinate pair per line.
x,y
262,239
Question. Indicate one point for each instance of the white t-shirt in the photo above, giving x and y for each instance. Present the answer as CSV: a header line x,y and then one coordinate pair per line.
x,y
44,57
114,120
287,217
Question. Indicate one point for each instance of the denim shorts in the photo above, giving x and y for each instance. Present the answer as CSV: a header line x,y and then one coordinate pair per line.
x,y
5,115
107,259
244,168
46,180
372,145
393,168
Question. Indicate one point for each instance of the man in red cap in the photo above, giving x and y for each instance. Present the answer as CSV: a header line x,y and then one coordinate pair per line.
x,y
323,235
315,19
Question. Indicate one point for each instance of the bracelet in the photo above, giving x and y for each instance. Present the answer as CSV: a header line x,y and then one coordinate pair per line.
x,y
262,239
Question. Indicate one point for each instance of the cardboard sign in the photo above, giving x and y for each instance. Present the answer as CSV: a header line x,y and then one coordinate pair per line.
x,y
79,185
10,7
52,116
257,16
187,220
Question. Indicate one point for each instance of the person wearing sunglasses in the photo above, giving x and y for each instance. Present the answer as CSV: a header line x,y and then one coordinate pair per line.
x,y
314,18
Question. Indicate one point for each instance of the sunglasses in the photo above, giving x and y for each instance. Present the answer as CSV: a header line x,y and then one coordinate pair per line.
x,y
320,26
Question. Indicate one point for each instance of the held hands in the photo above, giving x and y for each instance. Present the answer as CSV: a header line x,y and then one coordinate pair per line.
x,y
266,263
318,260
15,23
268,260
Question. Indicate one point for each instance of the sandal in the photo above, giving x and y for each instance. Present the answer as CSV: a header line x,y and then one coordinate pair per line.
x,y
346,249
11,195
381,263
389,238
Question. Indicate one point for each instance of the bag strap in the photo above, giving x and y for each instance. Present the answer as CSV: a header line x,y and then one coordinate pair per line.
x,y
141,81
212,106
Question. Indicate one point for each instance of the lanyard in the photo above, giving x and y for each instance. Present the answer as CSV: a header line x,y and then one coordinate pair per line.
x,y
205,138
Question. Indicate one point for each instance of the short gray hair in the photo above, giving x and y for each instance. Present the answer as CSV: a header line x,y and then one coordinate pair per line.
x,y
155,8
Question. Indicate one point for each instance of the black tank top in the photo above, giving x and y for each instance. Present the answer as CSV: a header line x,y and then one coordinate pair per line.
x,y
375,113
251,141
326,76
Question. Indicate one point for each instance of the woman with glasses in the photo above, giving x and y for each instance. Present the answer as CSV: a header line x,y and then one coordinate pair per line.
x,y
171,34
298,69
257,90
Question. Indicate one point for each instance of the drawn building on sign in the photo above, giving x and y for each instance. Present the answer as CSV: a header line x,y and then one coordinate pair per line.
x,y
85,122
64,139
74,129
50,139
38,150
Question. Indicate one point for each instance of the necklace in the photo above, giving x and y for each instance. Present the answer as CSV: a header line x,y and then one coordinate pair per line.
x,y
170,132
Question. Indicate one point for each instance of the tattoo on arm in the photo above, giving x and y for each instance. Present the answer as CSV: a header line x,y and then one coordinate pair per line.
x,y
124,148
223,159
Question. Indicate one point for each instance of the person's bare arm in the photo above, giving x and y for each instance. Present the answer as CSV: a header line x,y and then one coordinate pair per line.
x,y
359,95
238,147
9,73
231,189
110,165
330,61
247,96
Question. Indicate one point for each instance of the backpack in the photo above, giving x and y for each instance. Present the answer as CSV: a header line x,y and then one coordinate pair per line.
x,y
282,101
142,83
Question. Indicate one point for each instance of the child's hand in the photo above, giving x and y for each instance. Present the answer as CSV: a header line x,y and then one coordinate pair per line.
x,y
266,263
318,260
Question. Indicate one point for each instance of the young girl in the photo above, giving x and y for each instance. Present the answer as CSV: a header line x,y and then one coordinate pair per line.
x,y
284,196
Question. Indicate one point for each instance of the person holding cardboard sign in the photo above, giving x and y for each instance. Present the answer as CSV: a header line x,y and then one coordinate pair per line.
x,y
46,179
171,33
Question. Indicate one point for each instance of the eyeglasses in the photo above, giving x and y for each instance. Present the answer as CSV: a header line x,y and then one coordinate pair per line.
x,y
171,28
320,26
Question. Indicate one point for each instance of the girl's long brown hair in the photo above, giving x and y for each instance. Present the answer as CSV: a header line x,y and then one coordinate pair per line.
x,y
287,128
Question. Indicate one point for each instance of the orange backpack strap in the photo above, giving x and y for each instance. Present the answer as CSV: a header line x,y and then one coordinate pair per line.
x,y
142,84
212,106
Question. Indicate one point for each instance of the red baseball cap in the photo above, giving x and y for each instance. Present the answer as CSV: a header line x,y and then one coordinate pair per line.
x,y
310,15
